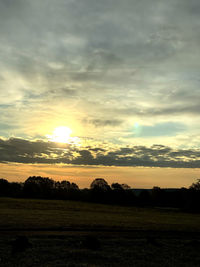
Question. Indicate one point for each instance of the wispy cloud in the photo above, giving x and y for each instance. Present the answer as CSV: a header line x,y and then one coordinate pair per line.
x,y
100,67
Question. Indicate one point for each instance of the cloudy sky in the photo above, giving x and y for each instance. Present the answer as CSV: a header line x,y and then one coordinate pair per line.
x,y
123,76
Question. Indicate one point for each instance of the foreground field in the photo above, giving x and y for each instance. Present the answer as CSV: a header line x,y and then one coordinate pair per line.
x,y
128,236
57,214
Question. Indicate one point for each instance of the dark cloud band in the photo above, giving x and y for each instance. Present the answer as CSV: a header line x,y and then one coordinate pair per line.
x,y
25,151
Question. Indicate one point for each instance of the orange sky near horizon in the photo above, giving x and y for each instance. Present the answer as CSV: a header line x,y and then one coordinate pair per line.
x,y
136,177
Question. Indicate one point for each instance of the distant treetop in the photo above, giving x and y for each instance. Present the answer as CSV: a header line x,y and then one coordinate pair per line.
x,y
195,186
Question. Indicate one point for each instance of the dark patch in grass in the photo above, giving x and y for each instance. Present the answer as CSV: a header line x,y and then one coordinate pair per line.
x,y
20,244
91,242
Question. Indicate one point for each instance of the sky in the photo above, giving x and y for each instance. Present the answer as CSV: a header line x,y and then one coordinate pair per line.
x,y
100,89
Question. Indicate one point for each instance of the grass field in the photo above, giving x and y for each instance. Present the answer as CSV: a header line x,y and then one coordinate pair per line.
x,y
129,236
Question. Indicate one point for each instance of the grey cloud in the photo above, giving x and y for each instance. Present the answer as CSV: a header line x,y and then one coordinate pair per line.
x,y
59,93
179,109
24,151
96,149
20,150
159,110
117,56
102,59
124,30
104,122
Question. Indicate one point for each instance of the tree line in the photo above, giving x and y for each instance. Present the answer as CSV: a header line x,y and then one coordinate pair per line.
x,y
100,191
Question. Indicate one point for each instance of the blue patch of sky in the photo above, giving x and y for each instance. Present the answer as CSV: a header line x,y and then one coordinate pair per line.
x,y
29,96
159,129
4,106
4,126
6,130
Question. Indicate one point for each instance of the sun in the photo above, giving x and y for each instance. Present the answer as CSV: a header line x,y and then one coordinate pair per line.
x,y
61,134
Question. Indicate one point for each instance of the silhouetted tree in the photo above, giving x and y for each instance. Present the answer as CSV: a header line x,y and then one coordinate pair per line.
x,y
39,187
100,191
74,186
194,197
85,194
66,190
100,184
122,194
144,198
117,186
4,187
195,186
125,186
16,189
158,196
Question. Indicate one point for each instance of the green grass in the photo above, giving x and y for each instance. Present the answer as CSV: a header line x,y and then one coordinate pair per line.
x,y
177,234
28,213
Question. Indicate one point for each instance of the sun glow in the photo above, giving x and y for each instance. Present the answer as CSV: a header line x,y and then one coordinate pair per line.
x,y
62,134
